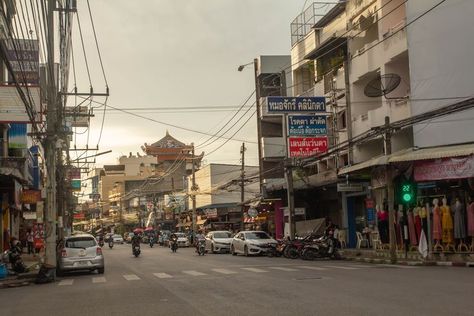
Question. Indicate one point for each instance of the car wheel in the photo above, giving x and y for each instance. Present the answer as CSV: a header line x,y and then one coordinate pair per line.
x,y
59,272
232,250
101,270
246,251
212,248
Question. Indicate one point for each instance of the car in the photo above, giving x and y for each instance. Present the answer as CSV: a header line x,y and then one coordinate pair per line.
x,y
107,237
117,239
183,241
218,241
251,243
80,252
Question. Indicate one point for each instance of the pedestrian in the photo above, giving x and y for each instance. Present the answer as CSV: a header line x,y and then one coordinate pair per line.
x,y
30,241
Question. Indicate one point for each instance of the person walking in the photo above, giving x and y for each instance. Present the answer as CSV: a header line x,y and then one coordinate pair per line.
x,y
30,241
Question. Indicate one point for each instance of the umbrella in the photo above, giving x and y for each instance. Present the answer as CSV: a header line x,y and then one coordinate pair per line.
x,y
138,230
149,229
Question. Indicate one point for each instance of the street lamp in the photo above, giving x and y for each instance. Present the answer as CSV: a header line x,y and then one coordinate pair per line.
x,y
241,67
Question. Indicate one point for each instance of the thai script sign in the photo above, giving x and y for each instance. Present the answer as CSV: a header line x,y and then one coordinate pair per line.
x,y
30,196
296,104
306,125
301,147
23,55
443,169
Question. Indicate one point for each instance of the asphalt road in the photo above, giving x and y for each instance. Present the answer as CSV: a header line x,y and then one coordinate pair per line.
x,y
162,283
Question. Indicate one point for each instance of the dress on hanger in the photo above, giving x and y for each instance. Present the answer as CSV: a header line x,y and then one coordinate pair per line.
x,y
470,219
416,213
411,229
447,224
459,221
437,231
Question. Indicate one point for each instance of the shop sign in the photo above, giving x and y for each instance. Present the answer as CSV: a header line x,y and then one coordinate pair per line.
x,y
211,212
302,147
77,116
370,207
296,104
79,216
30,196
298,211
349,187
29,215
444,169
307,125
76,185
252,212
23,55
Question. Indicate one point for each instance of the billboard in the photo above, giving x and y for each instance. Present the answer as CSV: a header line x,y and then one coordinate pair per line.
x,y
23,55
296,104
78,116
302,147
17,136
12,108
307,125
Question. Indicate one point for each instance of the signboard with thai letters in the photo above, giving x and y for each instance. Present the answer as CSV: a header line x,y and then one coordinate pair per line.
x,y
444,169
23,55
30,196
296,104
307,125
302,147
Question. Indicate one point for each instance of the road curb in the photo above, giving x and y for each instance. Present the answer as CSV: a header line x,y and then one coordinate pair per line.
x,y
413,263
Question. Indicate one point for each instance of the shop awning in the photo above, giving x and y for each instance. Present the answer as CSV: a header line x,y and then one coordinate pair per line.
x,y
188,224
179,225
201,222
376,161
433,153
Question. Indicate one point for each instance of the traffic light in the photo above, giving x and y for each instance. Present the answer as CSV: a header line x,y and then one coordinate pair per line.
x,y
408,192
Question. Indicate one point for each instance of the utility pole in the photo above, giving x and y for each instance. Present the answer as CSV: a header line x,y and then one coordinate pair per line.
x,y
193,192
390,194
289,181
242,179
259,127
50,146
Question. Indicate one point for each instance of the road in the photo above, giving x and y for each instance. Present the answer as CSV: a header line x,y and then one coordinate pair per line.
x,y
162,283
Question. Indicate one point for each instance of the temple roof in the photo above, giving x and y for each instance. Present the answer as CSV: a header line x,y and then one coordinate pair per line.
x,y
168,142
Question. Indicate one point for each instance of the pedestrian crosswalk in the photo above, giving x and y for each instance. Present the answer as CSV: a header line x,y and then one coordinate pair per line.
x,y
234,270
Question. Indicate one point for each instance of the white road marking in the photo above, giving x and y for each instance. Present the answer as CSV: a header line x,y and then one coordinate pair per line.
x,y
193,273
312,268
162,275
224,271
256,270
283,269
398,266
99,280
131,277
342,267
66,282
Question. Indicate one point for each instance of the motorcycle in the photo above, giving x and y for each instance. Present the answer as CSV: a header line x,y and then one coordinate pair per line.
x,y
14,257
101,242
151,242
111,243
323,247
136,250
174,245
201,247
273,251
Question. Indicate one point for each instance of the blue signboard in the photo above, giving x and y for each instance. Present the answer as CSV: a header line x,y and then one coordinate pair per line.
x,y
306,125
296,104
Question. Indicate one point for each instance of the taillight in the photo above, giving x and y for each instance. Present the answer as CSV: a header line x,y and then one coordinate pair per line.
x,y
64,253
98,251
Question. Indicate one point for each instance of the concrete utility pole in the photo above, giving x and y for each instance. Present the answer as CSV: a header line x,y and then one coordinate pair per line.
x,y
259,126
50,146
242,179
291,198
390,194
193,191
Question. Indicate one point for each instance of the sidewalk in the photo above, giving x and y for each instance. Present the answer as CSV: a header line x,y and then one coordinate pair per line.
x,y
32,263
412,258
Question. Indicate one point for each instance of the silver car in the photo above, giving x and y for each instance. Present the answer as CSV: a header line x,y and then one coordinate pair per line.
x,y
251,243
218,241
81,252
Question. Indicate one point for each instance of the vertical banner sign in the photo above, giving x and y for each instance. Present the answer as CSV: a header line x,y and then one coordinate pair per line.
x,y
17,136
307,125
23,55
370,207
296,104
74,175
302,147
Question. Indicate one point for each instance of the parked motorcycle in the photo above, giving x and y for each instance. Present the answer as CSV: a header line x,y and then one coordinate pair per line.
x,y
13,255
136,250
323,247
201,248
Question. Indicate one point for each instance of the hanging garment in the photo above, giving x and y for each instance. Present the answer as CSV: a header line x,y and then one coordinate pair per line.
x,y
411,229
437,231
459,221
418,227
447,224
470,219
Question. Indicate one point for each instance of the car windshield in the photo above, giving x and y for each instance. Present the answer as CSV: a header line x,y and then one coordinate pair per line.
x,y
80,242
117,236
180,235
222,235
257,235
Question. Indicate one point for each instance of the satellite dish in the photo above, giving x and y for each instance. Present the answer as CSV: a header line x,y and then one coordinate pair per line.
x,y
382,85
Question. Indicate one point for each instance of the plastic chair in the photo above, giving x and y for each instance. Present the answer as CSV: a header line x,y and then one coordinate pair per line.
x,y
342,237
360,240
376,242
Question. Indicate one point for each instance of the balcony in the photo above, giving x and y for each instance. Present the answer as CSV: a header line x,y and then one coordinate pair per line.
x,y
17,167
395,41
273,147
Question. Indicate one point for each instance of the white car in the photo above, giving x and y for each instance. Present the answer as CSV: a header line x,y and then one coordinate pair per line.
x,y
117,239
183,241
251,243
218,241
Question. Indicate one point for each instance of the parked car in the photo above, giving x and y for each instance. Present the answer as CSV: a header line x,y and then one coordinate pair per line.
x,y
117,239
218,241
251,243
81,252
183,240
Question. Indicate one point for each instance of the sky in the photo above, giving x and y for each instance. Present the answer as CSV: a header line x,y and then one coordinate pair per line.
x,y
171,54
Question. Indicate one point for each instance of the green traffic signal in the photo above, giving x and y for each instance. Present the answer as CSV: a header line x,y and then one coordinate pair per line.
x,y
408,192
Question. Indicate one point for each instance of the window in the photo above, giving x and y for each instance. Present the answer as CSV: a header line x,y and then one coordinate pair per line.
x,y
222,235
341,120
81,242
257,235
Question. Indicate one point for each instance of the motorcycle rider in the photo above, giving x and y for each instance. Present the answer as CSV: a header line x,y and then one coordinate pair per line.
x,y
199,236
173,239
136,240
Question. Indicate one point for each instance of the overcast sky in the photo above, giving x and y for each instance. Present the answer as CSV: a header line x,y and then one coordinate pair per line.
x,y
170,53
